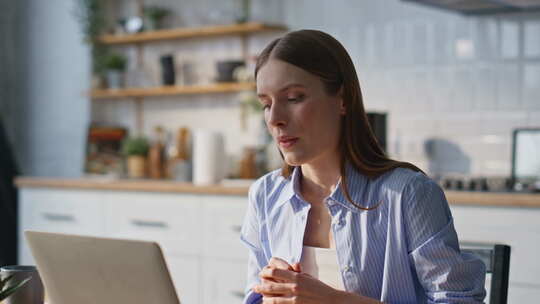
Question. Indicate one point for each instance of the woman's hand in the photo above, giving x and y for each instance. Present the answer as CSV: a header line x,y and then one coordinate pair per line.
x,y
282,264
284,283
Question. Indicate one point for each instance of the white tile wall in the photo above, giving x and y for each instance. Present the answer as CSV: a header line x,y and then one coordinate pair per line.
x,y
509,39
466,81
532,38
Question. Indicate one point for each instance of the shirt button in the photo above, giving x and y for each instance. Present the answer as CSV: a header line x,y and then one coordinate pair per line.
x,y
339,222
346,269
330,202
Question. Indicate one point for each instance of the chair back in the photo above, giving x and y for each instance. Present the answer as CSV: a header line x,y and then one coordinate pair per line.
x,y
496,257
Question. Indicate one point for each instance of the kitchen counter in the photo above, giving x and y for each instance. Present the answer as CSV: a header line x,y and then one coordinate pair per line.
x,y
501,199
144,185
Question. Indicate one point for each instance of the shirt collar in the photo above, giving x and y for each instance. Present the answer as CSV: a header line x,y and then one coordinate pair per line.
x,y
291,189
357,183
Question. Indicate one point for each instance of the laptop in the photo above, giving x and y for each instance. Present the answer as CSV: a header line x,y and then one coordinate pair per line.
x,y
83,270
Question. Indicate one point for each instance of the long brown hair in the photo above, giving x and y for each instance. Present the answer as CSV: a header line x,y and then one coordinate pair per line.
x,y
322,55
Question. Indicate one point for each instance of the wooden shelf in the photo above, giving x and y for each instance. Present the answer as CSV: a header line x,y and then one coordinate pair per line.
x,y
186,33
228,87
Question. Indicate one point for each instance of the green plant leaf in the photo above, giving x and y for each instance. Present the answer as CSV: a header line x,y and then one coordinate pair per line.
x,y
3,282
115,61
9,291
135,146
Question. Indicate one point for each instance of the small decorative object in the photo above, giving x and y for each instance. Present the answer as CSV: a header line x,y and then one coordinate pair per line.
x,y
167,69
120,28
103,149
136,150
154,17
20,284
134,24
115,64
188,73
226,69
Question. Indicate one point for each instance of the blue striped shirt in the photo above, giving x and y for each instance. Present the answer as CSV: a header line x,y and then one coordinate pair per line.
x,y
404,251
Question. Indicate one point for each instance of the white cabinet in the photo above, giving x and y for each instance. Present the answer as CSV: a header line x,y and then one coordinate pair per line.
x,y
172,220
186,275
199,234
224,281
517,227
223,218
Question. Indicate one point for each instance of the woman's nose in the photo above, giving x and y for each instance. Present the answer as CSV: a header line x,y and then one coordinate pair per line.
x,y
276,116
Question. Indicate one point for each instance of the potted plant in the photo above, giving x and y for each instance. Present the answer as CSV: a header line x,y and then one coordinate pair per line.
x,y
154,17
115,65
91,16
135,149
6,291
245,10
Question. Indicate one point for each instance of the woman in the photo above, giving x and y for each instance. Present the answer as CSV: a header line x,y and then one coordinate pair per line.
x,y
390,225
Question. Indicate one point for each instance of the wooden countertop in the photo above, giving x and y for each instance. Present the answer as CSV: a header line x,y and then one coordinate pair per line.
x,y
128,185
500,199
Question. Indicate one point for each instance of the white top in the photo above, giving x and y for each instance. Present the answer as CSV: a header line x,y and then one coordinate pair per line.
x,y
322,263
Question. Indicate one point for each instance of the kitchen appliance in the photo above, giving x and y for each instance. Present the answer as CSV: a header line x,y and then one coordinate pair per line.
x,y
526,159
377,121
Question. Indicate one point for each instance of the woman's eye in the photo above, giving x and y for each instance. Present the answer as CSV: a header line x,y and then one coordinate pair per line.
x,y
295,98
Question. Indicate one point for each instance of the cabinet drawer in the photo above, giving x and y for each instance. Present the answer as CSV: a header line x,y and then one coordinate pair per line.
x,y
224,281
223,217
171,220
63,211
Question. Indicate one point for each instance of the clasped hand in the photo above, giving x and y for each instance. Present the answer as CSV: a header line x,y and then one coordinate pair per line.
x,y
285,283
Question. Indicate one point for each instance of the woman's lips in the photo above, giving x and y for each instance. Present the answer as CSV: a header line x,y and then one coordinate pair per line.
x,y
288,142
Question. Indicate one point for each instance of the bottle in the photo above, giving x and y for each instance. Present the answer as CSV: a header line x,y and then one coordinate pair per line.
x,y
156,155
179,164
248,166
167,70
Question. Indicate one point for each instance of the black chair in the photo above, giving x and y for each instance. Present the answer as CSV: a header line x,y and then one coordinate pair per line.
x,y
496,257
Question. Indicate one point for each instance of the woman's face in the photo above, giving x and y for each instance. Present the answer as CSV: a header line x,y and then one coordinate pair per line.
x,y
302,118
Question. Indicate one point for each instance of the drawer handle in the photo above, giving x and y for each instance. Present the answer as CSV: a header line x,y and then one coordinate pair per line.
x,y
238,294
153,224
236,228
57,217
